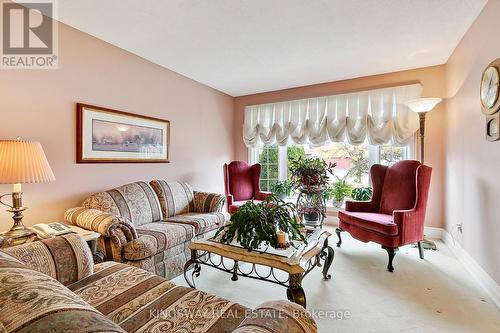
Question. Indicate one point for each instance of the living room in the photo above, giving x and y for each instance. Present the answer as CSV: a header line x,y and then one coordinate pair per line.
x,y
215,100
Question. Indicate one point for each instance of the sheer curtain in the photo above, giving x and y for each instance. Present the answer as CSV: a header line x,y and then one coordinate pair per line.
x,y
379,115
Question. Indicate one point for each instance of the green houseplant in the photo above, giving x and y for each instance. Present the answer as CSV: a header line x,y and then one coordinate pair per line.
x,y
362,193
340,190
282,189
256,224
309,171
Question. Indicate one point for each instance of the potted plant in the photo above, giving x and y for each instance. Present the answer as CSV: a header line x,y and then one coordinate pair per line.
x,y
310,172
282,189
256,224
340,190
362,193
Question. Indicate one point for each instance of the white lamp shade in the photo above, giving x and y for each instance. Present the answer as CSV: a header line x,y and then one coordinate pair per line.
x,y
422,105
23,162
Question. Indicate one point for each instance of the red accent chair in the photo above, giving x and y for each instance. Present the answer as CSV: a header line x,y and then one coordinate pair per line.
x,y
396,213
242,184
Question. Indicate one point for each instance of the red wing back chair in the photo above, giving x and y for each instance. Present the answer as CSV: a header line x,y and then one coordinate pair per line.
x,y
395,215
242,183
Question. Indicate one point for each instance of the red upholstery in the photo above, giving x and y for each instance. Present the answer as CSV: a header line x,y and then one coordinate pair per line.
x,y
381,223
242,183
395,216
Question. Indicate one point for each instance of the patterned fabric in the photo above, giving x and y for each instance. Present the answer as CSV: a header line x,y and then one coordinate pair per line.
x,y
175,197
139,301
96,220
66,258
278,316
169,263
202,222
135,202
157,237
34,302
205,202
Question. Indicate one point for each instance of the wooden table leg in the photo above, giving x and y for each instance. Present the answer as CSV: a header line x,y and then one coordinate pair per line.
x,y
295,293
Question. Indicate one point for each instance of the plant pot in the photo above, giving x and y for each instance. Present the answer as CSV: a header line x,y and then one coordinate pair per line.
x,y
311,216
337,203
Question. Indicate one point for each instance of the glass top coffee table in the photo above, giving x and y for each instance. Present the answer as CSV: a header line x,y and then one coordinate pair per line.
x,y
297,262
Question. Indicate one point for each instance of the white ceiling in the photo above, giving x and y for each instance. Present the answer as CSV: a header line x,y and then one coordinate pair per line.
x,y
247,46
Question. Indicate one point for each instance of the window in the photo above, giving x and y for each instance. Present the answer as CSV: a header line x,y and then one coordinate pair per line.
x,y
268,158
353,162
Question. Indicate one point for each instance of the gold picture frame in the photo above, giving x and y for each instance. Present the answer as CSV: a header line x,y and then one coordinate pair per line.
x,y
105,135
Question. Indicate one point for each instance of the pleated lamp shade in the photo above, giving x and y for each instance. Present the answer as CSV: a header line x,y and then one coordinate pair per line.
x,y
23,162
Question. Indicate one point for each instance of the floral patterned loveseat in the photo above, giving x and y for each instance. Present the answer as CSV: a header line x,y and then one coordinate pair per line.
x,y
150,226
53,286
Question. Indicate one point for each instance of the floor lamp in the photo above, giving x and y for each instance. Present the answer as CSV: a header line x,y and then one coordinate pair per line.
x,y
422,106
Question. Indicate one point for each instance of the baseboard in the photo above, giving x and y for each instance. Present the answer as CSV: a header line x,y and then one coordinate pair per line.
x,y
489,285
435,233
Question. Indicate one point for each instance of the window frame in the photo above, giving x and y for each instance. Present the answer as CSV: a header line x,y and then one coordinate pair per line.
x,y
373,156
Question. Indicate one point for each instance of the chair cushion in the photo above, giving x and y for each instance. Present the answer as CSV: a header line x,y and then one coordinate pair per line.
x,y
136,202
381,223
399,191
139,300
157,237
175,197
202,222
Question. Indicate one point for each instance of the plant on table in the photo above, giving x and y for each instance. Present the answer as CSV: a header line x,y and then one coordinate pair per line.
x,y
256,224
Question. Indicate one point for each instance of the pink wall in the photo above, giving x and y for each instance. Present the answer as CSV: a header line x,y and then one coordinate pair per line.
x,y
472,182
40,105
432,79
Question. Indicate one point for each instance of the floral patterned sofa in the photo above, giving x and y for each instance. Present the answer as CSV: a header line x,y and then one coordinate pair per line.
x,y
53,286
150,226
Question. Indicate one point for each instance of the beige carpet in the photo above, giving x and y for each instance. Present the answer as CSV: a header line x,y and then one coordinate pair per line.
x,y
435,295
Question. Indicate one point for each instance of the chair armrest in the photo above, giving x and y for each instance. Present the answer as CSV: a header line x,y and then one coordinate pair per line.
x,y
359,206
410,224
229,199
66,258
259,195
278,316
206,202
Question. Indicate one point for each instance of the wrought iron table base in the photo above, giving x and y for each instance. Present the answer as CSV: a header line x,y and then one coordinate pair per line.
x,y
295,293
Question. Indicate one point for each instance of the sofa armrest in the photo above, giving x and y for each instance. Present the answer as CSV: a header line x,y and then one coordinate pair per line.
x,y
140,248
260,195
115,231
206,202
278,316
104,223
66,258
359,206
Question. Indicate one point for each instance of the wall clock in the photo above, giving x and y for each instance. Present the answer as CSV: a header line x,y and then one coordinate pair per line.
x,y
490,87
493,127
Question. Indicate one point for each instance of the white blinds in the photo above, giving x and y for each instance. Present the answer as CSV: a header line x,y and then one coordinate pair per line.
x,y
378,114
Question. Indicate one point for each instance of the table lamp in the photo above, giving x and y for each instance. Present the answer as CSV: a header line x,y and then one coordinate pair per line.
x,y
21,162
422,106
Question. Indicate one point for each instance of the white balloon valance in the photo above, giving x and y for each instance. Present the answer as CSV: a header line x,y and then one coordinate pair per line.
x,y
379,115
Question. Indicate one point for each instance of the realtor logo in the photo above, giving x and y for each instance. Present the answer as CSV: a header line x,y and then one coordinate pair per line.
x,y
29,35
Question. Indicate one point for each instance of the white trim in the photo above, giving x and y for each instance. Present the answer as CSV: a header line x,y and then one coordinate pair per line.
x,y
435,233
489,285
482,278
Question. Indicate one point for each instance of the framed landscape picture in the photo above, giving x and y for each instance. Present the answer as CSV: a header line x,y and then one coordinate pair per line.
x,y
110,136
